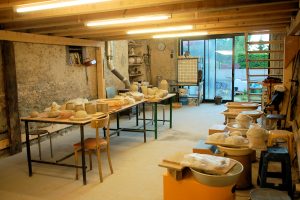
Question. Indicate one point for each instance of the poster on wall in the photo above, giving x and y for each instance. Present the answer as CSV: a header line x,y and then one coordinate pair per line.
x,y
187,68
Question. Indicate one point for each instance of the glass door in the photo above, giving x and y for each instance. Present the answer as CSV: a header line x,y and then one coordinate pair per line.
x,y
218,69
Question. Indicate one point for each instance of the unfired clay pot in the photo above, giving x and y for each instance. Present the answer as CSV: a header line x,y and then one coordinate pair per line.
x,y
164,85
102,107
90,108
70,106
79,107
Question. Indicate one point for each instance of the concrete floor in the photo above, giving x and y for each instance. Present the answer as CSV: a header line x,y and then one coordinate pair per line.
x,y
136,172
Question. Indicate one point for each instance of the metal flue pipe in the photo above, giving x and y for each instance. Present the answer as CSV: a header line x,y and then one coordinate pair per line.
x,y
110,65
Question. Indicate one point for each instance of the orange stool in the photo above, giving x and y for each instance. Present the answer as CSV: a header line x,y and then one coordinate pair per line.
x,y
188,188
282,134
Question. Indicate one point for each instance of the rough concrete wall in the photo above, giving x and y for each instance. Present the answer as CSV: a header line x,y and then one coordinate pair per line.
x,y
120,61
3,120
161,62
43,76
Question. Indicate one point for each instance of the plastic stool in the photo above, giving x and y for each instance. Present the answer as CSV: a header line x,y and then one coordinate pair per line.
x,y
275,154
282,134
268,194
276,118
39,133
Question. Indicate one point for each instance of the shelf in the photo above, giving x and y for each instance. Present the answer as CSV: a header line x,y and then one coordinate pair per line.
x,y
137,64
134,56
133,75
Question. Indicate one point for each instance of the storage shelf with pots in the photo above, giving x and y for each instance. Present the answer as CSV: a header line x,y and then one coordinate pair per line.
x,y
136,66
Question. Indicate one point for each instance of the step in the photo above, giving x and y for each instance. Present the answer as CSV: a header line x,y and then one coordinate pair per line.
x,y
267,42
265,68
255,94
267,51
264,60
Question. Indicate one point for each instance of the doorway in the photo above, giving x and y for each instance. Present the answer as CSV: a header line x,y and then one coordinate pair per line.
x,y
216,63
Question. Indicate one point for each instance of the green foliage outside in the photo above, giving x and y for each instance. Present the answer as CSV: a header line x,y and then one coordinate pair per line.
x,y
241,60
240,57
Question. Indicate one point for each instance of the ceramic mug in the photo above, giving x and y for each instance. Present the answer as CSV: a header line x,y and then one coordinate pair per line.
x,y
90,108
70,106
79,107
102,107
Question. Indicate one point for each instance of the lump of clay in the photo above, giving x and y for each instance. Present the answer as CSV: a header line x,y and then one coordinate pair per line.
x,y
81,114
66,114
53,114
137,95
34,114
257,137
129,100
243,120
237,133
217,137
236,140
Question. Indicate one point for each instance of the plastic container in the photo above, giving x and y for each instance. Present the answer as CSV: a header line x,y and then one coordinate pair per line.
x,y
218,100
230,178
184,100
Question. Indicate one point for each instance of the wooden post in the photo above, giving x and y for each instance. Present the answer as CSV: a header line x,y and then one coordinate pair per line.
x,y
100,74
11,94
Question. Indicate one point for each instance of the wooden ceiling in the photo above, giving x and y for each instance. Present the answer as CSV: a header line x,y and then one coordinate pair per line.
x,y
213,16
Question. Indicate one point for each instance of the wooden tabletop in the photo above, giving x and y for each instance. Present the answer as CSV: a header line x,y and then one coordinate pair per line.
x,y
160,99
82,122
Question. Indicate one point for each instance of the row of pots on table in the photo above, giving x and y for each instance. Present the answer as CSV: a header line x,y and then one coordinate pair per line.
x,y
89,107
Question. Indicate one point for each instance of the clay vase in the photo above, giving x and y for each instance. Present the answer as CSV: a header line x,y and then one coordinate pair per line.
x,y
134,88
144,90
164,85
102,107
70,106
90,108
79,107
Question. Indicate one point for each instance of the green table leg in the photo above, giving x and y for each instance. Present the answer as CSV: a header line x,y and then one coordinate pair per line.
x,y
137,115
171,112
155,120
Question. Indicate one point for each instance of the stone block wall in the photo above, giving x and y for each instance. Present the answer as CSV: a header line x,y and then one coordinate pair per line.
x,y
161,62
3,120
43,76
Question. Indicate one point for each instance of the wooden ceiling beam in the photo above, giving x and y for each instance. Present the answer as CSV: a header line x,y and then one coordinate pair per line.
x,y
127,5
277,29
94,8
294,26
43,39
85,31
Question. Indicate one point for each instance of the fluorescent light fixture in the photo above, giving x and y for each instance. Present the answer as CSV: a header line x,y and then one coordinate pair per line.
x,y
163,29
127,20
53,4
172,35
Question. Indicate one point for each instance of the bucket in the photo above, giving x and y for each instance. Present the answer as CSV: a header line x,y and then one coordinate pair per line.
x,y
218,100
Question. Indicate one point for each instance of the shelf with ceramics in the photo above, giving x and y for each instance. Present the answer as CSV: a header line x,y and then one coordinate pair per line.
x,y
135,62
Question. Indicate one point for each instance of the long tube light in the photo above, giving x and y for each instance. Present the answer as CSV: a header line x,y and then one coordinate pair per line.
x,y
163,29
46,5
127,20
172,35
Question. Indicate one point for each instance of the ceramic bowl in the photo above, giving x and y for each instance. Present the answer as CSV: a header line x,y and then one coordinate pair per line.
x,y
230,178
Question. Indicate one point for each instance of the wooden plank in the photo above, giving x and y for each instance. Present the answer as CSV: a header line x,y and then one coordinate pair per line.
x,y
291,46
11,94
294,27
4,144
100,74
43,39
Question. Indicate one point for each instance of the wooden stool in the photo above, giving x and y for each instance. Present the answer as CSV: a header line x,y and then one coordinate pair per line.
x,y
282,134
39,133
268,194
277,119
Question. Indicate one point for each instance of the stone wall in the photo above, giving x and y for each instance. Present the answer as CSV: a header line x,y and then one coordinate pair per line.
x,y
120,61
3,120
43,76
161,62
